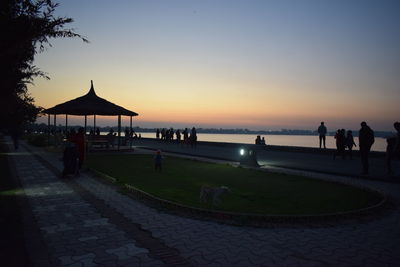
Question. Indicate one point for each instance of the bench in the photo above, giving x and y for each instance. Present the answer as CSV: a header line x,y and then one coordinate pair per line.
x,y
100,141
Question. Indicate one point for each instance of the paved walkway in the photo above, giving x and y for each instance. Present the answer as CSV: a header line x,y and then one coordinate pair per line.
x,y
83,222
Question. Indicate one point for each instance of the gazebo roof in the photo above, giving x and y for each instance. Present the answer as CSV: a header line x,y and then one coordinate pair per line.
x,y
89,104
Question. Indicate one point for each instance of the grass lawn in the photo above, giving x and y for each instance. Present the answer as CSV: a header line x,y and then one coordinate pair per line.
x,y
252,191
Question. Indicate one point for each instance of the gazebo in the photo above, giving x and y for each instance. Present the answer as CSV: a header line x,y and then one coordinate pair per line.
x,y
88,105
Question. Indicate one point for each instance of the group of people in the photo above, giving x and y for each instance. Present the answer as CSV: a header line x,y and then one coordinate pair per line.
x,y
343,141
74,152
366,139
189,138
92,132
260,141
130,134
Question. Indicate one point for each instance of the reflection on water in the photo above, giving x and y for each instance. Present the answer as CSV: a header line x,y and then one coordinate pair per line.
x,y
278,140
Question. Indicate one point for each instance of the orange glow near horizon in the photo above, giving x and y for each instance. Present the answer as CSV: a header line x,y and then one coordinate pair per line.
x,y
216,107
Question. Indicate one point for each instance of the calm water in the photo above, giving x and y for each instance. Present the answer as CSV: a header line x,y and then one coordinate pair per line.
x,y
280,140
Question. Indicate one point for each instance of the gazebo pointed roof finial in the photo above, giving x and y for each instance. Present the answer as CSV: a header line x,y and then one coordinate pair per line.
x,y
91,91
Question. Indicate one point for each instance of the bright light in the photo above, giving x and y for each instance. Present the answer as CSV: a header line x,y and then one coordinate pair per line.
x,y
241,152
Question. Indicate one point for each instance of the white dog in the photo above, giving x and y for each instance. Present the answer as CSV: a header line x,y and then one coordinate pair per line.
x,y
208,193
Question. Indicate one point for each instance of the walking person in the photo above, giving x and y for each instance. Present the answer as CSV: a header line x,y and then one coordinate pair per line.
x,y
366,138
322,134
350,143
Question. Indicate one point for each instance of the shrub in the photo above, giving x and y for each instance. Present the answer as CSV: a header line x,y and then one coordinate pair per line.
x,y
37,139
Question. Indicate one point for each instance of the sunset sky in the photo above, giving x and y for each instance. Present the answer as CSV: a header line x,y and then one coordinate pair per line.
x,y
231,64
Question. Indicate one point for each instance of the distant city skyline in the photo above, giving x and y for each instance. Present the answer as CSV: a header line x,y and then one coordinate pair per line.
x,y
231,64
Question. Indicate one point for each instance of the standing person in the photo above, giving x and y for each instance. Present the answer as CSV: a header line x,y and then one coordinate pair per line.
x,y
70,159
178,136
193,137
80,142
340,143
163,134
322,134
171,134
158,161
393,149
366,138
350,142
158,134
186,136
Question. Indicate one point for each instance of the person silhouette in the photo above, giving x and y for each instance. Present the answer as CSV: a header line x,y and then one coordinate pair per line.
x,y
193,137
178,136
158,161
393,149
340,143
186,136
158,134
322,134
366,138
350,142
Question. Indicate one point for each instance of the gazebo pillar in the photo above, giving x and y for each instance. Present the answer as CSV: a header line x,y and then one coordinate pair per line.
x,y
55,131
94,123
48,129
130,131
119,131
55,124
85,123
66,125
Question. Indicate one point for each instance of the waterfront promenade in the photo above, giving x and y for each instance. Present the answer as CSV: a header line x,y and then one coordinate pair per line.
x,y
84,222
299,158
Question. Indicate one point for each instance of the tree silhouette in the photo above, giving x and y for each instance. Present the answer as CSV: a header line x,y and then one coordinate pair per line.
x,y
26,28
